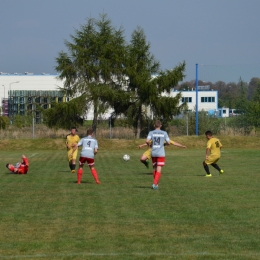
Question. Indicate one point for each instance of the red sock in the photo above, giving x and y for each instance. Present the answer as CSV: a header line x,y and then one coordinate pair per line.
x,y
95,175
157,178
80,172
154,173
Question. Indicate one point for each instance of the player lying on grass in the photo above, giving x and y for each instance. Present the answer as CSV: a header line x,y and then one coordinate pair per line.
x,y
147,155
20,167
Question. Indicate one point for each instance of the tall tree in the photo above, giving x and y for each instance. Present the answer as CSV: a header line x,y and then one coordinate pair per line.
x,y
241,101
94,60
147,86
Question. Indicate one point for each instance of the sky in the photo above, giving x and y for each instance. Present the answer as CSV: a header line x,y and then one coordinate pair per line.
x,y
221,33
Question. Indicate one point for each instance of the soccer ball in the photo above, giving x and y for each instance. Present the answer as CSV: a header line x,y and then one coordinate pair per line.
x,y
126,157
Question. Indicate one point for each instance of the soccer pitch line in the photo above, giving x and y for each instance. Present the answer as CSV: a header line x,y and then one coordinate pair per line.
x,y
49,256
33,155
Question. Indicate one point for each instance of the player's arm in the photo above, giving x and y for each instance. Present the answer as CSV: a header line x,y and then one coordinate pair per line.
x,y
75,147
142,145
67,143
95,151
177,144
148,142
207,153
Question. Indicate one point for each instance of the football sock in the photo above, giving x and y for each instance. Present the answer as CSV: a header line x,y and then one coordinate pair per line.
x,y
216,166
73,166
157,178
206,167
145,163
95,175
70,165
80,172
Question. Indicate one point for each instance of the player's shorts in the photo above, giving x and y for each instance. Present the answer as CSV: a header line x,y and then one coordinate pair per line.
x,y
148,154
22,170
74,156
90,161
158,161
212,160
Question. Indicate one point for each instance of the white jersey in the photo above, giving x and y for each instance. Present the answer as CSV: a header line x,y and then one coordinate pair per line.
x,y
158,137
89,144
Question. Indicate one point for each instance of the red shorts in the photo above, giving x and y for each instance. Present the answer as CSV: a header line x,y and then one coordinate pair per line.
x,y
158,161
90,161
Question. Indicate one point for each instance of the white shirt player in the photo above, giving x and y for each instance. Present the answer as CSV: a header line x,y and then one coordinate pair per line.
x,y
89,144
158,137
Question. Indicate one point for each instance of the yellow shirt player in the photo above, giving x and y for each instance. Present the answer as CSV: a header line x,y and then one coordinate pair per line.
x,y
212,153
72,140
147,155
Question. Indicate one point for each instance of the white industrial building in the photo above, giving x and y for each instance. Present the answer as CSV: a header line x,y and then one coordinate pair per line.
x,y
28,82
207,99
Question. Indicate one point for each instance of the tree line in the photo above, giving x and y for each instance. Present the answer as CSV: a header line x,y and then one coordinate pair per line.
x,y
101,69
243,96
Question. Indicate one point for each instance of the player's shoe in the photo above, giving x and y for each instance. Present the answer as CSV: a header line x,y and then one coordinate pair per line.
x,y
78,182
155,187
208,175
73,171
98,182
221,172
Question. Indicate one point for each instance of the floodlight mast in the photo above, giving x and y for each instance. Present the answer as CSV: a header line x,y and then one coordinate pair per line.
x,y
11,112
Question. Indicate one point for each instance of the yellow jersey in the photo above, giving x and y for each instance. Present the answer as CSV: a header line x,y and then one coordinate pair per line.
x,y
72,140
214,145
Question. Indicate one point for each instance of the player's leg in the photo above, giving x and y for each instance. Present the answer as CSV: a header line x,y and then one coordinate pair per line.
x,y
157,175
160,164
215,165
146,157
94,173
82,160
73,161
70,158
206,168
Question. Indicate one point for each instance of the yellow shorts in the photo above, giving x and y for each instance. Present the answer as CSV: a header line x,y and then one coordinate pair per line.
x,y
212,159
148,153
74,156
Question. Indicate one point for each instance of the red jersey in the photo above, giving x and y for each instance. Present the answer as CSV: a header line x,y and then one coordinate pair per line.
x,y
23,168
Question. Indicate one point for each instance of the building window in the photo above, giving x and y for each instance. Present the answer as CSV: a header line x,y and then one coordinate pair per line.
x,y
207,99
186,99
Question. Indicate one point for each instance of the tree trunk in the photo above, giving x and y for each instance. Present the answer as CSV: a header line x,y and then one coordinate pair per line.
x,y
138,127
95,117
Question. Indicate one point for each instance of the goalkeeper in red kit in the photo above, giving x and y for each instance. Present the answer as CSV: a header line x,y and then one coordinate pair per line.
x,y
20,167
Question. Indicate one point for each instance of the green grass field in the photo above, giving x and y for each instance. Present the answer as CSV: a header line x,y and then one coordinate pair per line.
x,y
46,215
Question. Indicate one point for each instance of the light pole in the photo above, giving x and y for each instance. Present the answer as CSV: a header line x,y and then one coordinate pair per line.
x,y
10,116
4,90
11,84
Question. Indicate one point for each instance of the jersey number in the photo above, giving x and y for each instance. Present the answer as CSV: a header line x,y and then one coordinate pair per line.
x,y
217,144
156,141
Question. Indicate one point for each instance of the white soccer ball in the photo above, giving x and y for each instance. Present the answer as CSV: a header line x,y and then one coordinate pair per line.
x,y
126,157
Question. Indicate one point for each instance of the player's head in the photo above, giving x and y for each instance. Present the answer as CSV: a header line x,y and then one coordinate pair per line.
x,y
90,131
157,124
208,134
73,130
